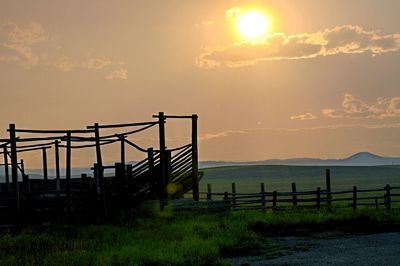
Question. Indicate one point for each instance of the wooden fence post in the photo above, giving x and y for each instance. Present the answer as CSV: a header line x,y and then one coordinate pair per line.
x,y
262,190
6,173
14,167
100,169
328,187
195,167
294,195
96,180
274,199
57,162
388,198
68,174
121,184
318,197
45,177
354,197
84,184
129,170
209,197
25,177
225,195
161,130
122,139
233,194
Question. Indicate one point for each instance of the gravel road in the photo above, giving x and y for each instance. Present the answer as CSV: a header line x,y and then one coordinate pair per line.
x,y
332,249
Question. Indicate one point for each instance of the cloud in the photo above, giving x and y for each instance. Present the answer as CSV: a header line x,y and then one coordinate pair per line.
x,y
246,131
354,108
64,63
221,134
346,39
16,43
306,116
20,44
96,63
121,73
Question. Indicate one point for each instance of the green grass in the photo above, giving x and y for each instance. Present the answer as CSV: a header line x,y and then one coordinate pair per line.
x,y
180,238
280,177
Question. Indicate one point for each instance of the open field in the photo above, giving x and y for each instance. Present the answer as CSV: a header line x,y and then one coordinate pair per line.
x,y
280,177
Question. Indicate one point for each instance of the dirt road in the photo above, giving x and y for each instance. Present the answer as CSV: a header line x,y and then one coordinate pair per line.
x,y
332,249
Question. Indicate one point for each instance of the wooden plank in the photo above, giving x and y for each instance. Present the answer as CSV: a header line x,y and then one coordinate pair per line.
x,y
318,197
174,116
123,125
53,131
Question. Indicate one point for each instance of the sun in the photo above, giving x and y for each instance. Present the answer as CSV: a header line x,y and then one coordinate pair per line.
x,y
253,24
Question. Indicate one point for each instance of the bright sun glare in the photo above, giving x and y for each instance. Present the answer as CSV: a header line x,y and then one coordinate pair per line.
x,y
253,24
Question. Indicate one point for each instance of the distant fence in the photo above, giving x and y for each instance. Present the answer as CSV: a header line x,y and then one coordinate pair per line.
x,y
387,197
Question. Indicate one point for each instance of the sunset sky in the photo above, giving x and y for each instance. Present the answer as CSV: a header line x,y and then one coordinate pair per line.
x,y
322,81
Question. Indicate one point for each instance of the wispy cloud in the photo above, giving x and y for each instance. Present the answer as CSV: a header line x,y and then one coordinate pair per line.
x,y
345,39
65,63
306,116
354,108
16,43
121,73
21,45
246,131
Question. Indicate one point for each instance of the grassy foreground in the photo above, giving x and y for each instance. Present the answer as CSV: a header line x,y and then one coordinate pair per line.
x,y
179,238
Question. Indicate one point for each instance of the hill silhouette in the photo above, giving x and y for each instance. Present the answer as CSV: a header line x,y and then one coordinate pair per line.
x,y
358,159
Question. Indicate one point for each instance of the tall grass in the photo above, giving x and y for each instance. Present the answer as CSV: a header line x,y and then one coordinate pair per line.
x,y
178,238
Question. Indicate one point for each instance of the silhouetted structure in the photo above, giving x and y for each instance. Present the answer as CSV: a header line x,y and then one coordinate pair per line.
x,y
164,173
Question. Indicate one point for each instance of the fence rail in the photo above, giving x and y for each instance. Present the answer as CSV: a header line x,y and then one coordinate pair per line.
x,y
388,196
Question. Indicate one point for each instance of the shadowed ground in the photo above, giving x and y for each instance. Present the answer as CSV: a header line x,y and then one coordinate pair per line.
x,y
332,249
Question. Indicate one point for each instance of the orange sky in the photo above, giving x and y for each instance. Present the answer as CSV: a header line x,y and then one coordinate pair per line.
x,y
324,82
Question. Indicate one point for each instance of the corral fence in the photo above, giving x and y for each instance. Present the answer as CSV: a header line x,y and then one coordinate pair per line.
x,y
384,197
164,173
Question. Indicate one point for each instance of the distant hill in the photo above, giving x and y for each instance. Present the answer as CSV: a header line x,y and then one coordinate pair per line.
x,y
358,159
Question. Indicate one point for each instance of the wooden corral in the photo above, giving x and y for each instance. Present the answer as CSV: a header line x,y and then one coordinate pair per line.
x,y
164,174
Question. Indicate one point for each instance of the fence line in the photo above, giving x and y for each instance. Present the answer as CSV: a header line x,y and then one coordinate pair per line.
x,y
315,198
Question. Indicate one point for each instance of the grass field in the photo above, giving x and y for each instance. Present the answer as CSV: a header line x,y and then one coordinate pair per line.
x,y
279,177
180,238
